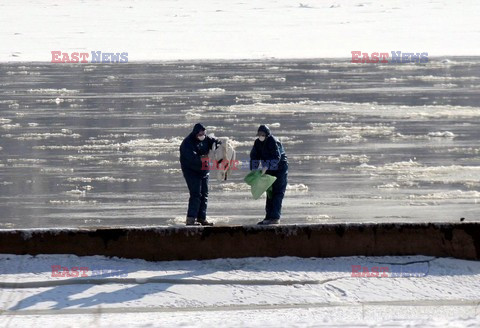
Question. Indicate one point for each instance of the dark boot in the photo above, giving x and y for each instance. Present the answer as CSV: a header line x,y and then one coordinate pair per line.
x,y
205,222
191,221
269,221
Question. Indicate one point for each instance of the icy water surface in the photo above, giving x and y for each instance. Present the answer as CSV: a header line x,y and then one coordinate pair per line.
x,y
97,145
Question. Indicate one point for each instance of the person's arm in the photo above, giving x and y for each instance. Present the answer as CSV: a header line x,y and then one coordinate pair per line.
x,y
254,158
273,153
191,158
212,141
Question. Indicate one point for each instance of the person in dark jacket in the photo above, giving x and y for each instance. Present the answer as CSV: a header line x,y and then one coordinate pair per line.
x,y
268,151
193,150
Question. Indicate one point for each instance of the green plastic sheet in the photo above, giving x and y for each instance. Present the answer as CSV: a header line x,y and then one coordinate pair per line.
x,y
260,183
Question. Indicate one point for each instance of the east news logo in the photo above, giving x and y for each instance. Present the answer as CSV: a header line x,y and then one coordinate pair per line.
x,y
84,57
384,57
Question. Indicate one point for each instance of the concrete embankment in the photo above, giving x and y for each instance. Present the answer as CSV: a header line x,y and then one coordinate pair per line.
x,y
459,240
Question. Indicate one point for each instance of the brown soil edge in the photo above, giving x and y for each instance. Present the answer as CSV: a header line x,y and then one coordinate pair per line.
x,y
457,240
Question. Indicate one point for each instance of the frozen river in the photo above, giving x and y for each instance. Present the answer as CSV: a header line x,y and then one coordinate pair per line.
x,y
97,145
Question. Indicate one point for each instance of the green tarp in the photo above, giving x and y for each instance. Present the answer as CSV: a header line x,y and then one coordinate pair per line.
x,y
259,183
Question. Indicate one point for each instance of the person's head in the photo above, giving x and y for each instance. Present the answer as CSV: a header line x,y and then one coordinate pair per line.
x,y
199,131
263,132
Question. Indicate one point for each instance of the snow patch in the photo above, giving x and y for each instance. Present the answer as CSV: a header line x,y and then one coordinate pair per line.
x,y
76,192
72,202
297,188
411,172
100,179
318,218
444,134
62,91
212,90
454,194
342,158
235,78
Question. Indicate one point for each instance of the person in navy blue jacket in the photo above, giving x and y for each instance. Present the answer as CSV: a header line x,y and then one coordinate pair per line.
x,y
269,151
193,151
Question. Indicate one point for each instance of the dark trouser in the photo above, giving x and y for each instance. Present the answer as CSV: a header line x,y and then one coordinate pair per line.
x,y
197,203
273,208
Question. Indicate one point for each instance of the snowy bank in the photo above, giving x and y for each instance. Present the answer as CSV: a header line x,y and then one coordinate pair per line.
x,y
266,292
190,29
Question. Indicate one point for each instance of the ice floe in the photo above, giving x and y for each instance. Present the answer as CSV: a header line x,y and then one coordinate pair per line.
x,y
408,172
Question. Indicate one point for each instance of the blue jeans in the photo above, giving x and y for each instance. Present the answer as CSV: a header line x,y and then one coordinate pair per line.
x,y
273,207
197,203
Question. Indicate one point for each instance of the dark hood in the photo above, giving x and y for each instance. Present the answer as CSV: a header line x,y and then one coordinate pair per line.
x,y
197,128
264,129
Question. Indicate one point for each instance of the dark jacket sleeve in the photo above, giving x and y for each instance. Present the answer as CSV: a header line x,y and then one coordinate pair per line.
x,y
190,158
273,153
211,141
254,157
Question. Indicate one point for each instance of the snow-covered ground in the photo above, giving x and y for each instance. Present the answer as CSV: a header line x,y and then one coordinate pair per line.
x,y
269,292
213,29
